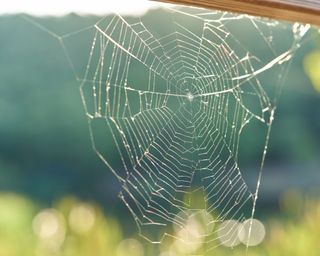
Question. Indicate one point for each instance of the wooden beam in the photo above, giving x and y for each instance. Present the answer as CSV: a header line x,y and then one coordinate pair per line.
x,y
304,11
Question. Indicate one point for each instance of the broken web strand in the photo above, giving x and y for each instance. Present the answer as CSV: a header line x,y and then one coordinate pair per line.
x,y
203,84
299,31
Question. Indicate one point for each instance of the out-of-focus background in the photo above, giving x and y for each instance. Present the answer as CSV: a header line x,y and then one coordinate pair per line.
x,y
58,198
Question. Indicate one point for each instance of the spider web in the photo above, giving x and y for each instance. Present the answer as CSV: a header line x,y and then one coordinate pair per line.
x,y
167,107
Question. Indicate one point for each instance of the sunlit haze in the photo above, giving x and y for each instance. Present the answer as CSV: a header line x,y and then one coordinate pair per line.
x,y
60,7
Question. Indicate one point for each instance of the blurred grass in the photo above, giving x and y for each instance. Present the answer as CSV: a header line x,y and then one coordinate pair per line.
x,y
76,228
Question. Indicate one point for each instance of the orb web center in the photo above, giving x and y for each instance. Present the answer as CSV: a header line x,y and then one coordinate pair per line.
x,y
190,96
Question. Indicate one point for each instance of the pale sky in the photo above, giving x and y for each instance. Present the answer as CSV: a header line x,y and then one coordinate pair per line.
x,y
60,7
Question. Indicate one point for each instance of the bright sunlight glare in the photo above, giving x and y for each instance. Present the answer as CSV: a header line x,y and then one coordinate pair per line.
x,y
61,7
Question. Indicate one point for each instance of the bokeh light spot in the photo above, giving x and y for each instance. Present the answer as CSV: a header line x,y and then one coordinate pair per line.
x,y
81,218
130,247
253,237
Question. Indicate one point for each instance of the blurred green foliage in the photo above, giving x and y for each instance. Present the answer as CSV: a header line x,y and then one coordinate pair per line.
x,y
73,227
312,68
